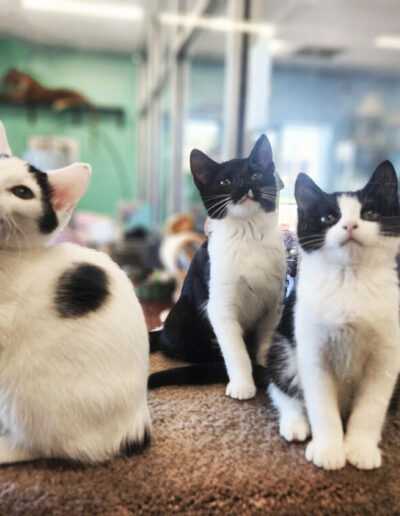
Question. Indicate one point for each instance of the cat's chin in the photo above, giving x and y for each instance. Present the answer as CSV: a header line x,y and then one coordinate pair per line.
x,y
246,207
351,242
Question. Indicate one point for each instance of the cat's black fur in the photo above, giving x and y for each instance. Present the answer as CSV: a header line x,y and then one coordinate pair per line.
x,y
187,333
81,289
48,221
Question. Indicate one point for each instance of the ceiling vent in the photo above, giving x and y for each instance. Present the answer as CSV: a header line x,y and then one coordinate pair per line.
x,y
314,52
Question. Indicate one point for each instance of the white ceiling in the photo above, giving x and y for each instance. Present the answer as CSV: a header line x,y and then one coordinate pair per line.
x,y
69,30
350,25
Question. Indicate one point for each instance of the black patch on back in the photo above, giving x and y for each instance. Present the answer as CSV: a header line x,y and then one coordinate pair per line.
x,y
48,221
81,289
129,448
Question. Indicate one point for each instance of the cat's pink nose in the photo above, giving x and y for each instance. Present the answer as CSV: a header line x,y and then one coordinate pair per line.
x,y
350,227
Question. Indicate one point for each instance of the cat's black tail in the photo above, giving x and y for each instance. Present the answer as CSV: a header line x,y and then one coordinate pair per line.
x,y
201,374
155,340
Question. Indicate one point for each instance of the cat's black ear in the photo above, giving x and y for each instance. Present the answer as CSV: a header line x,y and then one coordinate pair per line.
x,y
203,168
383,183
306,192
261,155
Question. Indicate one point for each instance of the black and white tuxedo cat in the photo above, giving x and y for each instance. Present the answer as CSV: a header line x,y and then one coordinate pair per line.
x,y
231,299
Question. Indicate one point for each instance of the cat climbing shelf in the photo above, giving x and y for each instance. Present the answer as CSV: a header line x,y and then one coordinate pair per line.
x,y
77,114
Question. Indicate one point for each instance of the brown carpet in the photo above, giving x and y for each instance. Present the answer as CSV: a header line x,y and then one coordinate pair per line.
x,y
210,455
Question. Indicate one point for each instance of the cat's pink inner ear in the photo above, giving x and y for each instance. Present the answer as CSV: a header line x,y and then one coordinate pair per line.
x,y
4,147
69,184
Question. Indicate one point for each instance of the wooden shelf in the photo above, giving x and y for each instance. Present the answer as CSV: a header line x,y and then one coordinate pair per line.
x,y
76,113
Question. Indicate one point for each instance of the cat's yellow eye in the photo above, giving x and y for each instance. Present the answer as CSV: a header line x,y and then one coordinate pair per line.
x,y
225,182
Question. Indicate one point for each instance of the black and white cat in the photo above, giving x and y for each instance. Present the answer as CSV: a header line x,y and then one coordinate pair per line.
x,y
336,358
73,340
235,285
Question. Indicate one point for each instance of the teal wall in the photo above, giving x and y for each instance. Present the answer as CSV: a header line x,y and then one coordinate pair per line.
x,y
107,80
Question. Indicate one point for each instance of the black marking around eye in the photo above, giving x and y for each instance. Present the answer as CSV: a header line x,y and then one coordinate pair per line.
x,y
80,290
311,227
48,221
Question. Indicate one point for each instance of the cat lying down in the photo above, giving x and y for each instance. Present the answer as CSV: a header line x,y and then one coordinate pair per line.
x,y
73,340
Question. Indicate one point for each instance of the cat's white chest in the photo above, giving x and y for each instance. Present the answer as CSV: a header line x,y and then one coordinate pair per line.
x,y
346,319
247,269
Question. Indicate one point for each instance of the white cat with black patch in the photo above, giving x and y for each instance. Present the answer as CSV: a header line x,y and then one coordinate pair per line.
x,y
235,285
73,340
336,359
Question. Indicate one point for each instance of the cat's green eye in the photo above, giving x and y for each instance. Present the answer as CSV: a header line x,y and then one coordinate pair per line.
x,y
256,176
225,182
23,192
329,219
370,215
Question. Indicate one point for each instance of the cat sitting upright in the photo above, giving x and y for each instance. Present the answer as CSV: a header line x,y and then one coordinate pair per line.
x,y
337,351
73,340
234,289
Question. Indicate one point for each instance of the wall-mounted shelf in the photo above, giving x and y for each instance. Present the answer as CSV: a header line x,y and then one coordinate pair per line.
x,y
76,113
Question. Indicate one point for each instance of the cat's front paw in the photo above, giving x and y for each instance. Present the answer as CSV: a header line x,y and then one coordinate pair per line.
x,y
294,427
241,390
363,453
325,454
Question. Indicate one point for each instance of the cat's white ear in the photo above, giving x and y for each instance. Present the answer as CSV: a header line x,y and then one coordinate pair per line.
x,y
4,147
68,185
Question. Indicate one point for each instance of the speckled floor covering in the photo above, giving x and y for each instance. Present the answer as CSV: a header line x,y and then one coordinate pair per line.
x,y
210,455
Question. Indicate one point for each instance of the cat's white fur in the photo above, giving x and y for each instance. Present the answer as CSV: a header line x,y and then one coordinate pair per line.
x,y
348,348
69,387
247,278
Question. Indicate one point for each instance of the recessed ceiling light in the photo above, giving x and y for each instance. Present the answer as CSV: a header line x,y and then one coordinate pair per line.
x,y
93,9
217,24
390,41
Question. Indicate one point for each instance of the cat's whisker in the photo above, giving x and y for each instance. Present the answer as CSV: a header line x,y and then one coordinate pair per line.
x,y
219,206
221,209
211,196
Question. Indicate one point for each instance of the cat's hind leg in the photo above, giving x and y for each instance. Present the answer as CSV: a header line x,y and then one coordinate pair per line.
x,y
10,454
293,424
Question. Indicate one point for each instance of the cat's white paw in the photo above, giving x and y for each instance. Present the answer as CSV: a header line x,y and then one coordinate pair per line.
x,y
241,390
325,454
294,427
363,453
